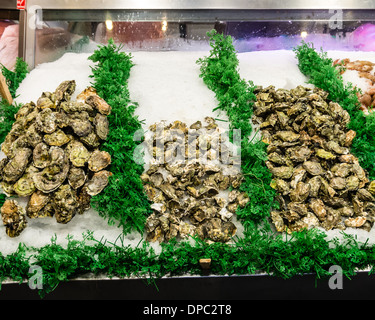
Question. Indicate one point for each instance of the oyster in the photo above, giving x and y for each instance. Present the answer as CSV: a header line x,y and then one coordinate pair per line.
x,y
64,91
301,192
355,222
77,107
55,173
57,138
321,153
99,160
45,101
15,168
91,140
76,177
33,137
41,155
318,207
65,204
36,203
283,172
89,91
3,163
299,154
101,126
78,154
278,221
25,186
338,183
80,123
46,121
97,182
14,218
312,167
99,104
84,199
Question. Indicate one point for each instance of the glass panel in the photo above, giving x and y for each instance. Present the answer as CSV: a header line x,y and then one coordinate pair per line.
x,y
9,37
61,31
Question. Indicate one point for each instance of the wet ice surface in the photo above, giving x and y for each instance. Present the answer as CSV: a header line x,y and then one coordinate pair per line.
x,y
167,87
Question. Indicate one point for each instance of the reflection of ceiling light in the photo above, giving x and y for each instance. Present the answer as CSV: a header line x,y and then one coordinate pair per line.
x,y
164,26
109,24
303,34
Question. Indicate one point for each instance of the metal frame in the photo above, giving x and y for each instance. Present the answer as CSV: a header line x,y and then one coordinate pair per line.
x,y
203,4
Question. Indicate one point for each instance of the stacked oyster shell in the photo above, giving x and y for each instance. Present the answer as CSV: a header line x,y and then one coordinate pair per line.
x,y
319,182
53,157
190,195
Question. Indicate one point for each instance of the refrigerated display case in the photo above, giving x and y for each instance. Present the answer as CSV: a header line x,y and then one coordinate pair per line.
x,y
60,35
182,25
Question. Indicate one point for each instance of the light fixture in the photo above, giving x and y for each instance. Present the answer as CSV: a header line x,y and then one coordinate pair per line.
x,y
109,24
164,25
303,34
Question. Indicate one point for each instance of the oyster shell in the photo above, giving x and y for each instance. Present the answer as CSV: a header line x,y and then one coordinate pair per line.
x,y
3,163
36,203
57,138
45,101
301,192
14,218
74,107
32,135
45,121
355,222
15,168
97,182
78,154
76,177
99,104
99,160
318,207
24,186
91,140
314,168
41,155
80,123
101,126
65,204
89,91
53,175
64,91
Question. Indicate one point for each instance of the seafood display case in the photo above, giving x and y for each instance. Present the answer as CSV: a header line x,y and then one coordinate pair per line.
x,y
63,124
55,26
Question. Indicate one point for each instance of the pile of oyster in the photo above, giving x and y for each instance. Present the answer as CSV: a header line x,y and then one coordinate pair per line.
x,y
53,157
190,195
319,182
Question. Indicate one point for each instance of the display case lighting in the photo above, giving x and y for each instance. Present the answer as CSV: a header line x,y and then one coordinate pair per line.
x,y
109,24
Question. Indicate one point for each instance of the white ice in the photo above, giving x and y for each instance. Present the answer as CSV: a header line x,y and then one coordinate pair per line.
x,y
167,86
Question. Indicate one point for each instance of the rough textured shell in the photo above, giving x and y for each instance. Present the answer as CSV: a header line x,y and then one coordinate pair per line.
x,y
99,160
13,217
98,182
55,173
